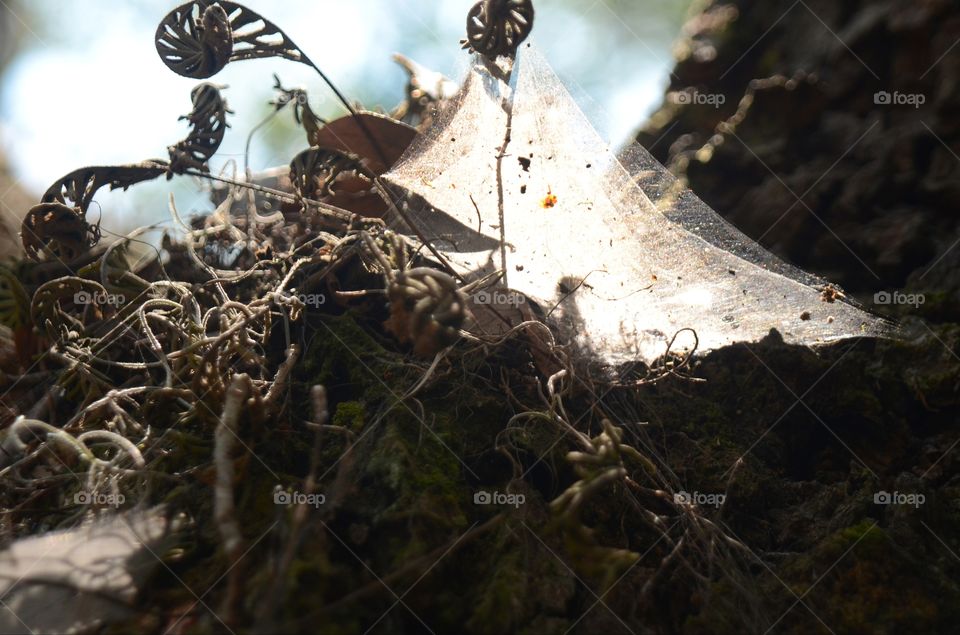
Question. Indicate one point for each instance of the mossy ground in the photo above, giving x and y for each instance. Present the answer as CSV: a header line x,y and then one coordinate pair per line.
x,y
401,547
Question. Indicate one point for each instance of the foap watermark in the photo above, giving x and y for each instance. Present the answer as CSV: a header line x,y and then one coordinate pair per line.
x,y
896,98
691,97
499,298
898,498
294,96
98,298
99,500
699,499
312,299
897,297
283,497
498,498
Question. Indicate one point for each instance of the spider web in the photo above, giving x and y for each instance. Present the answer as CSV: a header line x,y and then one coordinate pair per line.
x,y
626,257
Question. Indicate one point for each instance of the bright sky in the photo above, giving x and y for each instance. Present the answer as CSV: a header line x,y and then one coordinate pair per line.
x,y
89,88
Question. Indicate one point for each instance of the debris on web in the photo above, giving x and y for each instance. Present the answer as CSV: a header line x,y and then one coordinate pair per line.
x,y
620,256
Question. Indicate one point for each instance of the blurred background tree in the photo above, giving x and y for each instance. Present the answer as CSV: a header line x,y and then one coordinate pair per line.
x,y
13,199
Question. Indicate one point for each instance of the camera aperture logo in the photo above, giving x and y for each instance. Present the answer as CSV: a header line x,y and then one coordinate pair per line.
x,y
897,297
896,98
99,500
498,498
98,298
691,97
699,499
499,298
898,498
283,497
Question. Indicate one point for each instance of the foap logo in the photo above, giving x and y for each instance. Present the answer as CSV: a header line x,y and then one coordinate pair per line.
x,y
896,98
499,298
498,498
99,500
314,300
691,97
98,298
295,96
283,497
699,499
898,498
910,299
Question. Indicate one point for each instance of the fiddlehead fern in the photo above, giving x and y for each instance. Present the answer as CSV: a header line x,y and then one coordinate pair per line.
x,y
497,27
57,229
316,169
200,37
58,224
209,123
427,309
80,186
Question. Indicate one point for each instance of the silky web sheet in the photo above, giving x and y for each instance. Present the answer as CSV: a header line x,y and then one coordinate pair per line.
x,y
618,253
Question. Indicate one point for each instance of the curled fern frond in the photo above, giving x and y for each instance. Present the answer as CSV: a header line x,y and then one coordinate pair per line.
x,y
58,225
80,186
209,123
199,38
497,27
302,112
57,304
195,40
59,230
316,169
427,309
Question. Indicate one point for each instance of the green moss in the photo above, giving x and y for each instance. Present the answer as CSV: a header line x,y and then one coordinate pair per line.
x,y
347,359
414,464
350,415
865,578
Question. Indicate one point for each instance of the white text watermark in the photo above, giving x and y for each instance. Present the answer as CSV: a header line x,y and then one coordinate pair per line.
x,y
696,98
698,498
98,500
896,98
498,498
283,497
897,297
898,498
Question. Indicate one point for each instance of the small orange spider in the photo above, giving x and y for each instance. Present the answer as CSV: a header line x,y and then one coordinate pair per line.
x,y
550,200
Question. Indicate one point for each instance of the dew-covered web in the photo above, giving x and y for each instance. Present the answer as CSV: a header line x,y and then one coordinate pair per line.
x,y
620,255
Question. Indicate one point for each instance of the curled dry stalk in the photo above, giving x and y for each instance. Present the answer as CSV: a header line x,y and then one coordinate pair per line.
x,y
697,544
670,364
226,442
173,339
31,451
684,536
427,308
298,522
302,113
599,468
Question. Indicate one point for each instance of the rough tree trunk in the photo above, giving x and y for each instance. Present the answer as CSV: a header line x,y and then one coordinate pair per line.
x,y
804,117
